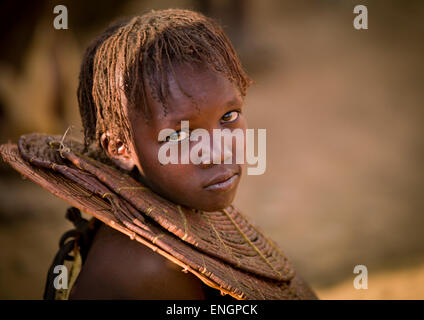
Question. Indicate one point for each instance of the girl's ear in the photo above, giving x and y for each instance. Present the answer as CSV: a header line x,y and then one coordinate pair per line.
x,y
120,154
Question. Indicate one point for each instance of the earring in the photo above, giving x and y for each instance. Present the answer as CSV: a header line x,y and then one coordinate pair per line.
x,y
121,148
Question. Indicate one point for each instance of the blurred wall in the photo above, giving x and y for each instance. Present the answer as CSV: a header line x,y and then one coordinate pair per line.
x,y
342,108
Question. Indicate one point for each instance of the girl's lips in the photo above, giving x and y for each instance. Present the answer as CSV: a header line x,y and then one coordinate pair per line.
x,y
225,185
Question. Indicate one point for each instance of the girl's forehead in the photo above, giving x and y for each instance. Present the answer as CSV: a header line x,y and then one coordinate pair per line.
x,y
196,92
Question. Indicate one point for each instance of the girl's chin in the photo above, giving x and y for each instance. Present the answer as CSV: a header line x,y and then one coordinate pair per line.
x,y
216,206
209,201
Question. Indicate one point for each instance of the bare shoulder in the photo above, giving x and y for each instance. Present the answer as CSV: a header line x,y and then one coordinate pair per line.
x,y
120,268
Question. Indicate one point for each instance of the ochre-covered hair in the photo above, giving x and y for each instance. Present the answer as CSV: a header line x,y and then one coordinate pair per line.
x,y
142,51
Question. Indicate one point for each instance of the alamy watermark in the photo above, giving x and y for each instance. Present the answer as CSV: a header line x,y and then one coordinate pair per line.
x,y
216,149
61,20
61,280
361,20
361,280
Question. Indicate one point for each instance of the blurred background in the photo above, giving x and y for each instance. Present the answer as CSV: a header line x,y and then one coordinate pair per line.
x,y
343,109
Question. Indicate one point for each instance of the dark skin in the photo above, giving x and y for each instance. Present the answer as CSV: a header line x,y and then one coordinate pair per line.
x,y
119,268
215,103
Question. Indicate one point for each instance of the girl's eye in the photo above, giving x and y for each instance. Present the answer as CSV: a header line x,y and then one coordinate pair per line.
x,y
230,116
177,136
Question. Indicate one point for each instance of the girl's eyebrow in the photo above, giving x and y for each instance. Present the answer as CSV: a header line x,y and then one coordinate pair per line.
x,y
235,102
187,116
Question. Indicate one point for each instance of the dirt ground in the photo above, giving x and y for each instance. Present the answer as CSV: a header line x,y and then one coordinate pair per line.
x,y
344,178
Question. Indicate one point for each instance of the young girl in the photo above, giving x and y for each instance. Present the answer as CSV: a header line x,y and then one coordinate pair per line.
x,y
142,76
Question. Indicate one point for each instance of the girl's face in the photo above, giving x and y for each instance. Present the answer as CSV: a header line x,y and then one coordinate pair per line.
x,y
208,101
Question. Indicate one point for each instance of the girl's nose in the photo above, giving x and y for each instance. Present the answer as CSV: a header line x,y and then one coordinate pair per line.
x,y
219,152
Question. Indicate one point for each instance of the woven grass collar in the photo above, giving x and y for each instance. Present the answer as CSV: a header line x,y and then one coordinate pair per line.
x,y
221,248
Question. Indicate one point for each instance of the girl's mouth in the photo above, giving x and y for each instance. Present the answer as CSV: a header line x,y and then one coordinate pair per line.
x,y
223,183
